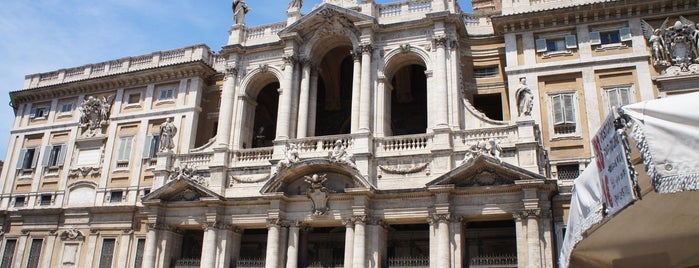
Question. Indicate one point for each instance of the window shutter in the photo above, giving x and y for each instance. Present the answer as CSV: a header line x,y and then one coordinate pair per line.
x,y
557,110
32,112
625,34
36,158
569,108
120,152
571,41
47,156
613,97
625,94
595,38
61,156
125,149
147,147
541,45
20,160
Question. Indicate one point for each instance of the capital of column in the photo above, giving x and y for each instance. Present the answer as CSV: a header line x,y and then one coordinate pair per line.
x,y
527,213
356,55
127,231
274,222
366,48
53,232
230,71
379,222
290,59
439,217
356,219
211,225
234,228
156,226
440,41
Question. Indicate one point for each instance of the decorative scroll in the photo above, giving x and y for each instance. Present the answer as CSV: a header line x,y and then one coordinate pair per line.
x,y
404,170
85,172
72,234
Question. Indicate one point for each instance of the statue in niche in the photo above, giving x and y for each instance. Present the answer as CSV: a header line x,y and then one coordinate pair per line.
x,y
240,8
525,98
675,47
94,114
167,133
318,193
340,154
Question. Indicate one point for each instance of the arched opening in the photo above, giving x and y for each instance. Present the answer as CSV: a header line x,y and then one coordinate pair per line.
x,y
409,100
334,95
265,123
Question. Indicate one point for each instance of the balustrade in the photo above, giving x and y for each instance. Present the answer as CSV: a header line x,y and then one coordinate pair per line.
x,y
253,155
187,263
407,143
409,262
250,263
322,144
502,135
494,261
198,160
269,30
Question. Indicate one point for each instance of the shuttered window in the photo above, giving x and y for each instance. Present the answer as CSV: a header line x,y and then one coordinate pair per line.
x,y
27,158
124,151
563,111
619,96
150,146
54,155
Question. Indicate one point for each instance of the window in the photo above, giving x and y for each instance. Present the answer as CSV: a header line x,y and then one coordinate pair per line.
x,y
569,41
39,113
116,196
35,253
610,37
67,108
124,152
166,94
146,191
485,72
618,96
568,171
563,112
150,146
133,98
45,200
8,254
107,253
27,158
54,156
140,248
20,201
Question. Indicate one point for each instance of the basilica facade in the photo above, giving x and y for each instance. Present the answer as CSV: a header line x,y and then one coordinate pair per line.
x,y
408,134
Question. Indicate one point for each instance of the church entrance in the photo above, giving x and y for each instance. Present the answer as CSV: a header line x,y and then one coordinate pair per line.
x,y
490,244
408,246
322,247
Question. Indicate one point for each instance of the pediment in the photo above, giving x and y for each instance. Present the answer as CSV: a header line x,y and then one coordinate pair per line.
x,y
485,170
326,14
291,180
181,189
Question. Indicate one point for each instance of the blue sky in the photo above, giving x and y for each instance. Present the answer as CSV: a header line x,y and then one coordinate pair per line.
x,y
45,35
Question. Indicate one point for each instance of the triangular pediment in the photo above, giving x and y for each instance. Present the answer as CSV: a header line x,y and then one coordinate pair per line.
x,y
484,170
326,14
181,189
291,180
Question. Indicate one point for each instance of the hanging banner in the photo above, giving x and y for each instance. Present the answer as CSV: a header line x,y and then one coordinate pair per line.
x,y
617,187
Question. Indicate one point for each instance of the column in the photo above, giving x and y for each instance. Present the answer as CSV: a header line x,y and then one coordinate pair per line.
x,y
225,117
356,90
443,245
312,101
231,250
534,252
124,245
19,251
285,105
433,242
151,246
208,250
91,247
48,254
301,131
292,249
359,259
365,95
383,105
272,255
283,242
440,100
521,235
349,243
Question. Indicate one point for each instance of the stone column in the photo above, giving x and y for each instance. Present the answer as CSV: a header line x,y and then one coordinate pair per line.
x,y
151,245
359,260
231,246
365,95
440,100
292,250
356,90
533,241
301,131
272,257
19,250
225,117
433,242
285,105
383,105
91,247
208,250
443,244
349,243
48,255
521,240
283,242
312,101
124,245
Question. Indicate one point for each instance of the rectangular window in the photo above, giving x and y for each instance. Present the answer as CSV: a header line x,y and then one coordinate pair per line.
x,y
568,171
116,196
124,152
166,94
140,247
54,156
19,201
27,158
134,98
45,200
150,146
618,96
35,253
38,112
563,111
8,254
107,253
67,108
610,37
485,72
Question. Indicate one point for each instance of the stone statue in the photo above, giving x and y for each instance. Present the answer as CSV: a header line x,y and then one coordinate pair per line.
x,y
340,154
675,47
490,148
180,173
296,4
291,156
94,114
167,133
318,193
525,98
260,137
240,8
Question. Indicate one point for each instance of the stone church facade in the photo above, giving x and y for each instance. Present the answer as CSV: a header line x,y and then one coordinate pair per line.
x,y
407,134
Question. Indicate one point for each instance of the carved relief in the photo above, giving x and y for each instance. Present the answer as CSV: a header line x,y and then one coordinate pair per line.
x,y
341,156
403,169
246,179
318,193
675,47
94,115
188,173
186,195
489,148
72,234
85,172
291,157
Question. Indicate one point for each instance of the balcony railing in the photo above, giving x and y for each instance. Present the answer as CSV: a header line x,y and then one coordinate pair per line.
x,y
494,261
321,146
409,262
250,263
187,263
194,160
263,154
502,135
405,143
